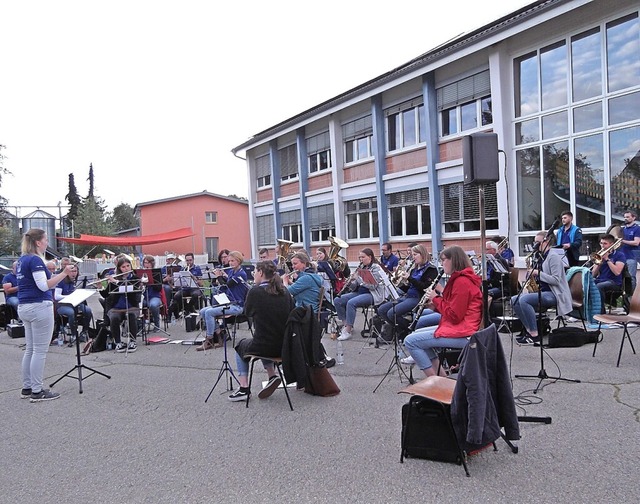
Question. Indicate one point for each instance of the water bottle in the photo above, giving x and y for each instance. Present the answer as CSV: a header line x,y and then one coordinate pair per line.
x,y
339,353
109,343
61,337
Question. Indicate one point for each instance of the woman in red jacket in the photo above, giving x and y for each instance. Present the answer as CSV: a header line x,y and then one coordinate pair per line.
x,y
459,304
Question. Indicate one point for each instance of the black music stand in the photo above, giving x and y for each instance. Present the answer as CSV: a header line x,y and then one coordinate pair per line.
x,y
73,300
154,278
225,368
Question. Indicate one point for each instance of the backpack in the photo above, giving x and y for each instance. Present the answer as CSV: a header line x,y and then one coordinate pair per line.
x,y
97,338
570,337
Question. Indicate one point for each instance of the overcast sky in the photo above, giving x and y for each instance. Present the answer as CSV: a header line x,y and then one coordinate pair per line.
x,y
156,94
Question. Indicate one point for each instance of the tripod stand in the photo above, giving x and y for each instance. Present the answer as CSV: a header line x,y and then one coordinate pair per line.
x,y
225,368
395,361
74,300
538,263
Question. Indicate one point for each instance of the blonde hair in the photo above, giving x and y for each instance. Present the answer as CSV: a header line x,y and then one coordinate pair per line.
x,y
237,256
30,239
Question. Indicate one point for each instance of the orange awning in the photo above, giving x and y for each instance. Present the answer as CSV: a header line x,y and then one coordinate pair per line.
x,y
86,239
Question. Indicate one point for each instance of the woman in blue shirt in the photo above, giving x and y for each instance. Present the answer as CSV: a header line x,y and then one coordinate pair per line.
x,y
36,312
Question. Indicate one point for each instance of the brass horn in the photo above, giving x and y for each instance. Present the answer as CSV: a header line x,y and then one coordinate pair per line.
x,y
283,253
337,262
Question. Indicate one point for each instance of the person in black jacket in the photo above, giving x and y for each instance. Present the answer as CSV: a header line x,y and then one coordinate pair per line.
x,y
269,304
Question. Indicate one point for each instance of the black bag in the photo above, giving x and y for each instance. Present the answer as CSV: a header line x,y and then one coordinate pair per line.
x,y
97,338
570,337
427,431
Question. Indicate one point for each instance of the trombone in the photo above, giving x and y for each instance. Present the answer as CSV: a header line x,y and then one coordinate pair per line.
x,y
596,257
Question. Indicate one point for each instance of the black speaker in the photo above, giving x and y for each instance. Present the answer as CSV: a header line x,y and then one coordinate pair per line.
x,y
480,158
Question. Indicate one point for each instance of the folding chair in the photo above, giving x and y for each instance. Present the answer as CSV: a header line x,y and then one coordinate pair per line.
x,y
577,298
632,317
277,362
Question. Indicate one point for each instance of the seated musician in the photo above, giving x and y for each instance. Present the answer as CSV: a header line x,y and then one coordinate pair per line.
x,y
152,297
269,304
503,249
263,254
362,294
498,282
62,290
325,270
552,281
187,298
234,285
10,288
121,304
167,271
413,284
460,305
607,273
388,259
306,288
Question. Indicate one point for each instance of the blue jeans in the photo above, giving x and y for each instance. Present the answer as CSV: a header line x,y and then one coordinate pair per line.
x,y
428,318
404,305
70,313
210,313
526,308
38,327
632,267
422,346
154,305
347,304
243,365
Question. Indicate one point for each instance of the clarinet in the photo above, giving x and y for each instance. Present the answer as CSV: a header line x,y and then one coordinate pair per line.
x,y
419,308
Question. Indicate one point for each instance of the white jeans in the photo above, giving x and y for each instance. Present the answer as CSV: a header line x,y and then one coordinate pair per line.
x,y
38,328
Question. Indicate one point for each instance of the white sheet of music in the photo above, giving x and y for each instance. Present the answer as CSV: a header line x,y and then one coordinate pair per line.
x,y
77,297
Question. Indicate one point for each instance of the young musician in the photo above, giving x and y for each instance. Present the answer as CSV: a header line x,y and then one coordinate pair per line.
x,y
234,285
122,301
10,288
62,290
167,275
607,273
35,309
631,244
418,279
263,254
554,289
388,259
268,303
194,293
306,288
365,294
152,298
570,238
460,305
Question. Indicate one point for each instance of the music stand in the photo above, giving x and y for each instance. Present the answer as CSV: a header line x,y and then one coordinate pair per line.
x,y
225,368
73,300
154,278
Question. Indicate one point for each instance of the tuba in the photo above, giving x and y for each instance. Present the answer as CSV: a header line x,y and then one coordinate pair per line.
x,y
337,262
284,247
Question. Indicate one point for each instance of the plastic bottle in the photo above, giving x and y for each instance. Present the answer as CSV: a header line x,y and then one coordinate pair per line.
x,y
61,337
339,353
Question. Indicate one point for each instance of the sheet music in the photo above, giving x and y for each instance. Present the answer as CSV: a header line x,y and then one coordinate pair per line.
x,y
76,297
184,279
126,288
222,299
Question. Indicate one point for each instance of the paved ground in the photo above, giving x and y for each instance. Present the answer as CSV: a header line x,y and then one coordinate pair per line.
x,y
146,435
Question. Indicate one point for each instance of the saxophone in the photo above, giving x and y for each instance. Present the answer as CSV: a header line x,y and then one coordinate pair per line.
x,y
531,284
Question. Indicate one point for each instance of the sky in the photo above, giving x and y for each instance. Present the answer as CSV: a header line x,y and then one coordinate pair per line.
x,y
155,94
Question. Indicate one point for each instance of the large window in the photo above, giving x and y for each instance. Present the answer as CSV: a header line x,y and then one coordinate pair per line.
x,y
461,207
405,125
358,139
322,222
291,223
288,162
409,213
576,147
465,105
362,218
263,171
265,230
319,152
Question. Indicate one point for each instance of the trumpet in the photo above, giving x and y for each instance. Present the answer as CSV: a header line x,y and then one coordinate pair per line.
x,y
596,257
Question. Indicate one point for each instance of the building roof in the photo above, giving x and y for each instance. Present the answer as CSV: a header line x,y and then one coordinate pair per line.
x,y
439,52
187,196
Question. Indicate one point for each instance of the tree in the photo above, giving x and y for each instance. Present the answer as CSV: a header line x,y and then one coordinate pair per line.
x,y
10,241
73,198
90,179
91,220
123,217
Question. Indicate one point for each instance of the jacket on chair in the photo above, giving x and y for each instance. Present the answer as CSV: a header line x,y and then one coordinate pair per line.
x,y
482,401
301,347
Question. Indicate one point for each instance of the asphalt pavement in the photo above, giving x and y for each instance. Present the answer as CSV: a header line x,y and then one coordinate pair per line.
x,y
146,434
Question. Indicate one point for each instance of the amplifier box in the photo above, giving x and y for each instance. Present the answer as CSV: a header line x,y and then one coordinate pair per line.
x,y
15,330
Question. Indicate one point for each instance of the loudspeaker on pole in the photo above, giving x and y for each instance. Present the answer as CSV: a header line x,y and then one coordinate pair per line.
x,y
480,158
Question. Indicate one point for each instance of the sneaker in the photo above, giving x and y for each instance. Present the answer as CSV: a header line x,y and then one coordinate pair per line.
x,y
121,347
25,393
206,345
408,361
344,335
239,395
271,386
330,362
132,347
44,395
527,339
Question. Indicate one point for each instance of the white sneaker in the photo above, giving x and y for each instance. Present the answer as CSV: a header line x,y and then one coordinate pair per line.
x,y
408,361
344,335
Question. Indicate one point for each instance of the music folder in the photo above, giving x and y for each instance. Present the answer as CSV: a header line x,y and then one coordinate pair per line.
x,y
154,276
366,276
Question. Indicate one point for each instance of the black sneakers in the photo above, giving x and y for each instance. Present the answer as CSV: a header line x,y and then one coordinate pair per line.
x,y
527,339
240,395
271,386
44,395
25,393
